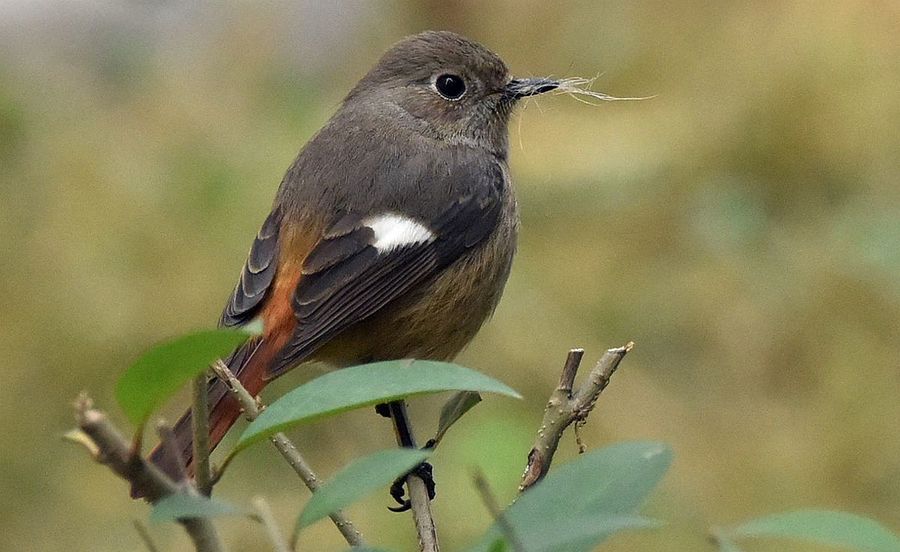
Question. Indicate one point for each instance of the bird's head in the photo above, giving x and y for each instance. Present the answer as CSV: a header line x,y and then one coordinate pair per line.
x,y
451,87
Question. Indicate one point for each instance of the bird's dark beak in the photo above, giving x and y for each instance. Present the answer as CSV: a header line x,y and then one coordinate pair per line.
x,y
519,88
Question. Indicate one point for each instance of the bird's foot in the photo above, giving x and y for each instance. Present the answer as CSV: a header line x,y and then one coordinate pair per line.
x,y
423,471
383,410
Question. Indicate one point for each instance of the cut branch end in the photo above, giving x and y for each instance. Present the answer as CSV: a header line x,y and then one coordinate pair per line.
x,y
567,406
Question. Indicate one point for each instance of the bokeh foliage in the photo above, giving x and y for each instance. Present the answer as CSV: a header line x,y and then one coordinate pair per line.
x,y
742,227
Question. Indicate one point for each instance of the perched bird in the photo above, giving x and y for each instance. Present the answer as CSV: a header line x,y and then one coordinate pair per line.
x,y
392,233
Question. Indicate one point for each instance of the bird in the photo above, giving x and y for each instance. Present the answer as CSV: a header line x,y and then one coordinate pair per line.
x,y
392,233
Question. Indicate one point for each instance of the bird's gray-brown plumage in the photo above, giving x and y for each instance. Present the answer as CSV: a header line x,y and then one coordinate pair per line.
x,y
397,147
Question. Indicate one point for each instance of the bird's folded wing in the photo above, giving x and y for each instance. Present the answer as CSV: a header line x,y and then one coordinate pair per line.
x,y
363,263
256,276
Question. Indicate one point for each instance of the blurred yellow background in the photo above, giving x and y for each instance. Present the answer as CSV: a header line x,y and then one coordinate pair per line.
x,y
742,227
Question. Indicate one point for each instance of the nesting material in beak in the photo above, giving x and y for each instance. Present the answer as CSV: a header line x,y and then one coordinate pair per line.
x,y
577,86
572,86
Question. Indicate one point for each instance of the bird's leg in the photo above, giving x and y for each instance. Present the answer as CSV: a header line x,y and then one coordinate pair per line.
x,y
402,427
405,438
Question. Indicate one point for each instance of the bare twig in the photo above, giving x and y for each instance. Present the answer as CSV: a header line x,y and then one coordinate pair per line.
x,y
79,437
110,448
490,501
586,396
570,369
567,406
169,446
145,536
200,425
287,449
264,512
418,491
203,534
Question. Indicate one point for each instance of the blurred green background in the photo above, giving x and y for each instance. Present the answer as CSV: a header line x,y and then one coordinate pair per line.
x,y
742,227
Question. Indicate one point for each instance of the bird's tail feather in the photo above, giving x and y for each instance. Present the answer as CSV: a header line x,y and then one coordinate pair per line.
x,y
248,363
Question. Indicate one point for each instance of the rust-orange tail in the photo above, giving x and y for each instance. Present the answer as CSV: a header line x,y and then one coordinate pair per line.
x,y
249,363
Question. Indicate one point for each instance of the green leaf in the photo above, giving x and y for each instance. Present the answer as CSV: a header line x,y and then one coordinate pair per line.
x,y
365,385
584,530
162,370
178,506
358,479
454,409
603,486
839,529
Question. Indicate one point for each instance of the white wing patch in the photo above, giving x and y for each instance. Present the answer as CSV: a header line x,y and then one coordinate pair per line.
x,y
393,231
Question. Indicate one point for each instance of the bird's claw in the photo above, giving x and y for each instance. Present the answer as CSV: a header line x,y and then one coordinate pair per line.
x,y
423,471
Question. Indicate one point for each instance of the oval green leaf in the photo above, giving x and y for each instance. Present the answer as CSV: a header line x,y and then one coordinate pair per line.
x,y
360,478
582,531
181,506
610,483
365,385
831,528
163,370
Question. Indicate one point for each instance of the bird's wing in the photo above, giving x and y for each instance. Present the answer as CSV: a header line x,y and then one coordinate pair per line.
x,y
256,276
362,263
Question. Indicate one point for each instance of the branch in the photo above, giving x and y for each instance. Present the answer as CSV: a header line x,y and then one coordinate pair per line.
x,y
264,513
145,536
287,449
490,502
566,406
109,447
418,491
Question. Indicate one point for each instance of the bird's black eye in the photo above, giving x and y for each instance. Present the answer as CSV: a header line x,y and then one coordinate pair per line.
x,y
449,86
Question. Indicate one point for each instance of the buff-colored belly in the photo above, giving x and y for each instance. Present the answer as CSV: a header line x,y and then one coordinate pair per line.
x,y
439,319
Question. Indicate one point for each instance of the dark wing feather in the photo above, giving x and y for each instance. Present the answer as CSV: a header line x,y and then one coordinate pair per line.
x,y
347,280
256,276
466,224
